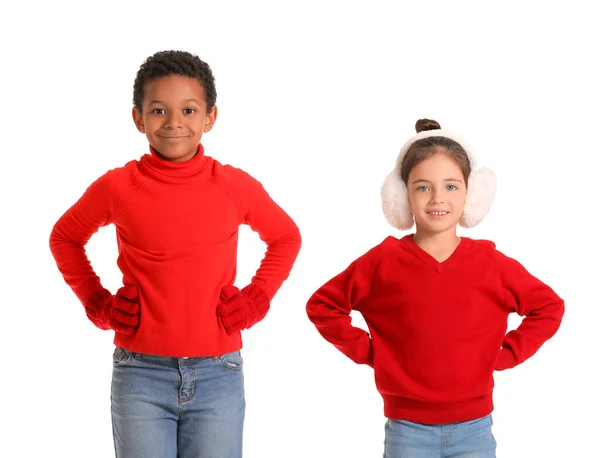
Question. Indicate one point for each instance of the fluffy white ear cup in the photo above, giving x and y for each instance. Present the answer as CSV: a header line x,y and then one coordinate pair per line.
x,y
394,199
480,195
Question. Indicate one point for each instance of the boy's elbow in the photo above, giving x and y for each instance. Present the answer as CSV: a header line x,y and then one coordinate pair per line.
x,y
59,238
55,238
560,312
297,237
292,239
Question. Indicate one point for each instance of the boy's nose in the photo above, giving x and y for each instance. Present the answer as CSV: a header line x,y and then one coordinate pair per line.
x,y
172,122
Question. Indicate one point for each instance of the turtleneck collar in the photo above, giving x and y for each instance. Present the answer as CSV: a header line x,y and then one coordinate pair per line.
x,y
175,169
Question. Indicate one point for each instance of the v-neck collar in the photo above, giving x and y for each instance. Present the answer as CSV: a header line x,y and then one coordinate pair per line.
x,y
439,267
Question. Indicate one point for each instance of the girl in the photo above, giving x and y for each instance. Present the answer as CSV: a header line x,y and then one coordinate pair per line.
x,y
436,305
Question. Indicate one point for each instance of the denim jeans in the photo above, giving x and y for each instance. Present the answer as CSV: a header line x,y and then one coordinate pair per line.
x,y
469,439
166,407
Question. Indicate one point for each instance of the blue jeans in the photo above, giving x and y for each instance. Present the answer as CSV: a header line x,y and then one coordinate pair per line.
x,y
166,407
468,439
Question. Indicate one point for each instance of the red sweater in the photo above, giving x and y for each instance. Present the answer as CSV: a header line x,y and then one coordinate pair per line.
x,y
177,233
437,330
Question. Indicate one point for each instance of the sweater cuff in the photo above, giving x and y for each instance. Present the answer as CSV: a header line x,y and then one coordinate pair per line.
x,y
505,360
89,290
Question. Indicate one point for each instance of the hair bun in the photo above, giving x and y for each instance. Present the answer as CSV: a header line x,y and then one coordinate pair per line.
x,y
426,124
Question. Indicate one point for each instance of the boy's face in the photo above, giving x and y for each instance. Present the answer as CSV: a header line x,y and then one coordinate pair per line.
x,y
174,116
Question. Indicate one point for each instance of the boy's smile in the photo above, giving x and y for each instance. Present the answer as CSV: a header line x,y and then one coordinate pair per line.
x,y
174,116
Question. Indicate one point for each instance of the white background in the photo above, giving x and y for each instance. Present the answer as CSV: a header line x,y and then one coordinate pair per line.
x,y
315,100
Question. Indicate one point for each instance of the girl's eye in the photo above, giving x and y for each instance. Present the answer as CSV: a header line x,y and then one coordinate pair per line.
x,y
158,111
422,188
451,187
189,111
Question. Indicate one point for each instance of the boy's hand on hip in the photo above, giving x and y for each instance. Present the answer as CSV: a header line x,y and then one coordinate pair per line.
x,y
239,310
120,312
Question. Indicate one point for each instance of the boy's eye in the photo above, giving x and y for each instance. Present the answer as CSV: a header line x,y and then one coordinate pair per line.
x,y
189,111
158,111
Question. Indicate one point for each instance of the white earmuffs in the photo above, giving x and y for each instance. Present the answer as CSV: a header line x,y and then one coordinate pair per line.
x,y
481,188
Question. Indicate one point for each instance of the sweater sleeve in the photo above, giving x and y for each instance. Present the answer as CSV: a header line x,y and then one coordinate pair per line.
x,y
274,227
71,233
541,307
330,306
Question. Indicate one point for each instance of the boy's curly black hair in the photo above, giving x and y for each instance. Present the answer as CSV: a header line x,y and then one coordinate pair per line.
x,y
165,63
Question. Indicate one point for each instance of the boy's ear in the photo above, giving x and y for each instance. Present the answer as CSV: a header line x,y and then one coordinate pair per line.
x,y
211,118
138,119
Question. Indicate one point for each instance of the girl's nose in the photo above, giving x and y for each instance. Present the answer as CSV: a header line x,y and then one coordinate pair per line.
x,y
436,197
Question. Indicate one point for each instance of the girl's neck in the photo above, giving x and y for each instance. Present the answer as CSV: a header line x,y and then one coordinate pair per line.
x,y
439,245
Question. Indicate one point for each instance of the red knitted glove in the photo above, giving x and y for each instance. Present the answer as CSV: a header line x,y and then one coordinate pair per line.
x,y
120,312
242,309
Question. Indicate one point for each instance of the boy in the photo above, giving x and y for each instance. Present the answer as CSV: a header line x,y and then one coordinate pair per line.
x,y
177,388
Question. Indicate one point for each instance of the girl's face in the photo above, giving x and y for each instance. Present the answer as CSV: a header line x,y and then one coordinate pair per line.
x,y
436,192
174,116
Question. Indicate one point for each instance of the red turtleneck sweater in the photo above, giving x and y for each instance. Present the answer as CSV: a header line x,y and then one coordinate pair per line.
x,y
437,330
177,233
